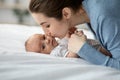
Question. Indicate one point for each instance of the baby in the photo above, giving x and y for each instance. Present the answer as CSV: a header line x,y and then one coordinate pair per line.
x,y
41,43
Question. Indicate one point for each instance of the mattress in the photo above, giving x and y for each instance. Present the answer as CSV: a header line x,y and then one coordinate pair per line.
x,y
17,64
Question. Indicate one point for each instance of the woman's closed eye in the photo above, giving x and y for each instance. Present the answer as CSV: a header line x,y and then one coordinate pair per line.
x,y
47,26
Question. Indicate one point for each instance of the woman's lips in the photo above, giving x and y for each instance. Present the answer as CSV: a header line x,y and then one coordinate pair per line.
x,y
54,43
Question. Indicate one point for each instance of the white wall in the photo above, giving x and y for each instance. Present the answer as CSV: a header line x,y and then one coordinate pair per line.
x,y
7,14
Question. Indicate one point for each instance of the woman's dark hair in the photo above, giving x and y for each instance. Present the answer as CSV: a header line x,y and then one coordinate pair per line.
x,y
53,8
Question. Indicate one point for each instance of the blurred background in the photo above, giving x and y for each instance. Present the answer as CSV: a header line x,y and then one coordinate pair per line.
x,y
15,12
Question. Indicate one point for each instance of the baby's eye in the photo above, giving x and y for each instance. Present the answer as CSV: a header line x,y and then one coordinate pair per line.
x,y
43,46
44,37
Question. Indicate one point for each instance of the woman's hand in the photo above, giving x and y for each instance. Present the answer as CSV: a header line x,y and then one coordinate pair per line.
x,y
76,41
72,55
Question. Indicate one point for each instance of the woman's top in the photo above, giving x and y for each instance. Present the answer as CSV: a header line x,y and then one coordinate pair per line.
x,y
105,21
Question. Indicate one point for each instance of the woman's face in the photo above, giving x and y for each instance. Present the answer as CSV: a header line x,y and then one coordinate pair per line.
x,y
52,26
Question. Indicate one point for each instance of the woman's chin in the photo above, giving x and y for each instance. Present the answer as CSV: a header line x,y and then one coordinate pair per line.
x,y
60,37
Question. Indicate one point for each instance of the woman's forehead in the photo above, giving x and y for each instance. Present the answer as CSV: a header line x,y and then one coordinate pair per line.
x,y
40,18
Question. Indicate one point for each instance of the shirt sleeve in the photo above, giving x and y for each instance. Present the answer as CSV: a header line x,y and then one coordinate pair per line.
x,y
92,55
105,21
109,35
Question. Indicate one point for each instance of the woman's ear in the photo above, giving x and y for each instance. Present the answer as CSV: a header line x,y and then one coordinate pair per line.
x,y
82,11
66,12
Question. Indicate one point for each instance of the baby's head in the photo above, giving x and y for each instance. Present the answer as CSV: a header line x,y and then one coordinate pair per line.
x,y
40,43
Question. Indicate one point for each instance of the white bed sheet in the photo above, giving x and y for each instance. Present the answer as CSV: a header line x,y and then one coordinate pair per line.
x,y
16,64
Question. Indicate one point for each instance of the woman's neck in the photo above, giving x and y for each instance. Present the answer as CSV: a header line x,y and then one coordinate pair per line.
x,y
83,15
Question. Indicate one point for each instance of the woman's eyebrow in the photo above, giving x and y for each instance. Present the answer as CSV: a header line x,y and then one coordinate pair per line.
x,y
43,23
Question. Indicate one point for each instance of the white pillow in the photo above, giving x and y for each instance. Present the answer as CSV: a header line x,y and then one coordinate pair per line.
x,y
13,37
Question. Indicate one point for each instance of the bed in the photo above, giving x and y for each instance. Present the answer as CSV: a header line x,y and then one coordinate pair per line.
x,y
17,64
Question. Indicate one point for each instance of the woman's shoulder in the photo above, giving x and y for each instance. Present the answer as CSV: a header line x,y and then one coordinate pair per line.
x,y
107,7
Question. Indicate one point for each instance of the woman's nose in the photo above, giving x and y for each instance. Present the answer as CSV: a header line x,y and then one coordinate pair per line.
x,y
48,33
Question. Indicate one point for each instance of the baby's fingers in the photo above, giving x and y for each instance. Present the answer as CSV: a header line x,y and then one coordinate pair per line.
x,y
79,33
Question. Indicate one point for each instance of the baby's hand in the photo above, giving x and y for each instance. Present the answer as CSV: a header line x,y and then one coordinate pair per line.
x,y
70,32
67,35
79,33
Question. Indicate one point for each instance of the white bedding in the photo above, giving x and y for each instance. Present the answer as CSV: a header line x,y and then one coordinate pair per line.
x,y
16,64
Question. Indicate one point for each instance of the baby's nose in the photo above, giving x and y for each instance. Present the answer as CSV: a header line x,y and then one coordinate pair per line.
x,y
47,41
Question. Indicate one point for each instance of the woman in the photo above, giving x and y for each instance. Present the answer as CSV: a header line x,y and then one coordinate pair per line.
x,y
57,16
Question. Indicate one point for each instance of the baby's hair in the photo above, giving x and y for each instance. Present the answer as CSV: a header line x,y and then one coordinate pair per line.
x,y
27,44
53,8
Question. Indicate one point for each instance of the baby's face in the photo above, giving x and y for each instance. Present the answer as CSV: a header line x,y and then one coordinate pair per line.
x,y
42,44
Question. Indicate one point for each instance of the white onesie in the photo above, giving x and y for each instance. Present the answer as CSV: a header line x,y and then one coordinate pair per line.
x,y
62,49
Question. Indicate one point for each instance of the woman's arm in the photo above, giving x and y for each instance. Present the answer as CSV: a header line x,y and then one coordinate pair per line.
x,y
80,46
